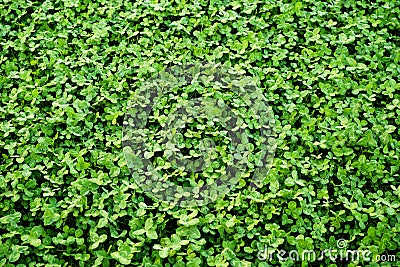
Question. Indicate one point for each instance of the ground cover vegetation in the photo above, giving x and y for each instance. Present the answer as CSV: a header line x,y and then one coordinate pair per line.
x,y
328,69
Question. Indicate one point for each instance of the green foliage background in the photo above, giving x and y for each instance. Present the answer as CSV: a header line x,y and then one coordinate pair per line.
x,y
329,70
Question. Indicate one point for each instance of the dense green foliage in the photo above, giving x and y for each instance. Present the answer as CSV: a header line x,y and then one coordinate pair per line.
x,y
329,70
192,132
